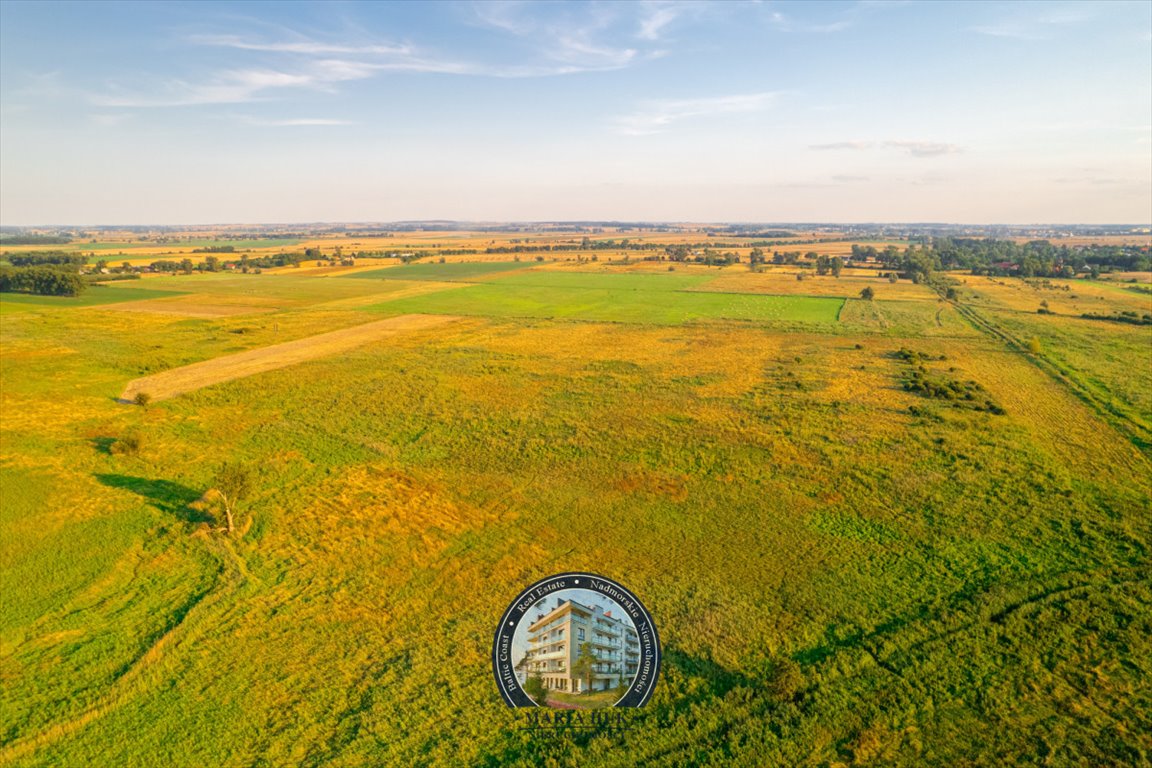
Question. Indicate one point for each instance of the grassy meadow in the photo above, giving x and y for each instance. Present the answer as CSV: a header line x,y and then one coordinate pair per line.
x,y
843,570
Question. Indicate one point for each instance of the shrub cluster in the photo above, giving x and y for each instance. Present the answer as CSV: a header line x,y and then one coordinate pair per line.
x,y
1123,317
966,393
912,356
963,394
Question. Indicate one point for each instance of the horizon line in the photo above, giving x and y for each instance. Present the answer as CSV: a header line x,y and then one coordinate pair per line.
x,y
573,222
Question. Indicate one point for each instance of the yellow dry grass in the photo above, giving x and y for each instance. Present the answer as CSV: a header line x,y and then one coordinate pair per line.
x,y
1123,277
185,308
1138,239
1064,297
188,378
1049,410
782,280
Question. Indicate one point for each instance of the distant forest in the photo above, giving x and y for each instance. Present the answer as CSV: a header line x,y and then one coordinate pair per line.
x,y
1038,258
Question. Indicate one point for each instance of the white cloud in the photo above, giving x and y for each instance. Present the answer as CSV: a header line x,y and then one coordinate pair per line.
x,y
656,15
655,116
587,39
843,145
564,49
659,16
295,122
241,85
577,43
1035,26
1009,30
914,148
302,46
925,148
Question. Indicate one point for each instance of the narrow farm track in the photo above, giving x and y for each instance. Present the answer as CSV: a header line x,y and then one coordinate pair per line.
x,y
188,378
1113,414
140,674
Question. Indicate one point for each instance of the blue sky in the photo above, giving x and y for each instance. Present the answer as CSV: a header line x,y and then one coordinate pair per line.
x,y
761,111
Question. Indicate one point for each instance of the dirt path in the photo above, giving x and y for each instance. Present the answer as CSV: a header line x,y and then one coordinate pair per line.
x,y
188,378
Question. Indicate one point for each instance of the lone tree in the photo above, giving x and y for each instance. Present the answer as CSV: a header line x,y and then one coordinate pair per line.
x,y
233,483
142,399
585,666
867,293
534,687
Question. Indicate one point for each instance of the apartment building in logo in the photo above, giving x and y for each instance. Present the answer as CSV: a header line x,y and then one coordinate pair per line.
x,y
558,638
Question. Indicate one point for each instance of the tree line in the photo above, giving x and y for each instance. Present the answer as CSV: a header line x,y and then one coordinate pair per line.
x,y
34,240
987,256
44,258
45,273
49,280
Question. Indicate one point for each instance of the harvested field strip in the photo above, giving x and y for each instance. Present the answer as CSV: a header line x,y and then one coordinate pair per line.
x,y
188,378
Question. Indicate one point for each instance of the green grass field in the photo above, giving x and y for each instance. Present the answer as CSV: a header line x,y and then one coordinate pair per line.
x,y
632,305
842,572
618,281
95,295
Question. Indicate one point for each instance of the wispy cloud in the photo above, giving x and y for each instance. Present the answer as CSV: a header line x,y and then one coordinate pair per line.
x,y
914,148
925,148
302,46
1095,181
577,42
657,15
846,19
583,40
294,122
655,116
790,24
238,86
843,145
1035,26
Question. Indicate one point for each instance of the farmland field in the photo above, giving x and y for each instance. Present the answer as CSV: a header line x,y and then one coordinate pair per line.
x,y
461,270
618,304
112,294
842,570
175,246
